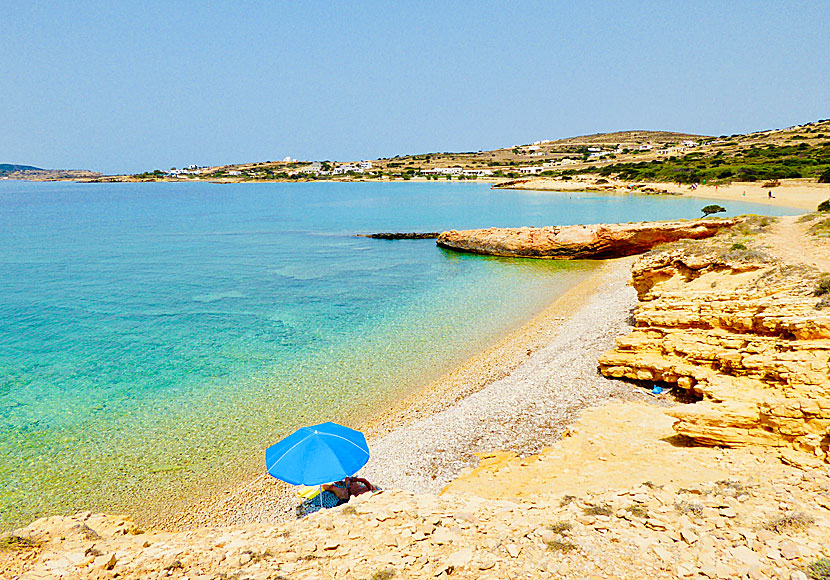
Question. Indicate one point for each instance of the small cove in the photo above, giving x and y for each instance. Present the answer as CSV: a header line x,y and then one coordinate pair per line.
x,y
156,337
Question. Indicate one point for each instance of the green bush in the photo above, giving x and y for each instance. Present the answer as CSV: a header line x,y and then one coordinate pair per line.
x,y
824,177
824,206
710,209
737,247
820,569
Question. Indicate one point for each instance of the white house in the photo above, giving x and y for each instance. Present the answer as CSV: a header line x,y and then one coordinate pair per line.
x,y
234,172
531,170
365,164
645,147
689,143
443,171
347,168
478,172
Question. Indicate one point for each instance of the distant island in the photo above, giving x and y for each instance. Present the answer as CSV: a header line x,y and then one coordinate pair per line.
x,y
11,171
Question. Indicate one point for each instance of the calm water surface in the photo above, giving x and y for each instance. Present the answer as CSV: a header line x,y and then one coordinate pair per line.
x,y
154,338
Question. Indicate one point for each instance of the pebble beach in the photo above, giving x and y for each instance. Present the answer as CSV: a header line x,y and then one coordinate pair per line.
x,y
519,395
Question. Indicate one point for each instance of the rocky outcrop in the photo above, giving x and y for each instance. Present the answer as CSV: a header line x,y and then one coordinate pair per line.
x,y
598,241
722,529
745,335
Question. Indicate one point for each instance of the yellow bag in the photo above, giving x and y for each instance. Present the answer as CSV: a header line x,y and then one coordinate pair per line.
x,y
308,492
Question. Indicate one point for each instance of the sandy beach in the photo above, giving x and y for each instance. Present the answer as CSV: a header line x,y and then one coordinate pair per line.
x,y
798,193
518,395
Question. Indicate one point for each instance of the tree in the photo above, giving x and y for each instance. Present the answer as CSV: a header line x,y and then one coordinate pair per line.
x,y
710,209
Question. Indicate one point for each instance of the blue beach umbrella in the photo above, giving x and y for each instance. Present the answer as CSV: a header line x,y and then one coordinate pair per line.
x,y
317,454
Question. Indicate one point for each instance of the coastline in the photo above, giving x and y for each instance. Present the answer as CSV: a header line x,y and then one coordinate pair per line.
x,y
793,193
424,441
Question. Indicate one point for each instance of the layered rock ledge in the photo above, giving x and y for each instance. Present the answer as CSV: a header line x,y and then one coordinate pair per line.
x,y
597,241
745,333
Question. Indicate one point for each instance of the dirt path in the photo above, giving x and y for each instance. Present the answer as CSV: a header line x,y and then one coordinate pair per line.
x,y
789,241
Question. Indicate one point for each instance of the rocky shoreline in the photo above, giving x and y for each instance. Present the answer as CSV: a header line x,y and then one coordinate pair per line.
x,y
745,332
729,320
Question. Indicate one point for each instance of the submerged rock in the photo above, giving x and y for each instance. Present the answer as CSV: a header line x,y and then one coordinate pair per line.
x,y
401,235
597,241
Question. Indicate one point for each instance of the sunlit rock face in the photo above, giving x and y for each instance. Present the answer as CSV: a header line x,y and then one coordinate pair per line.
x,y
578,242
748,336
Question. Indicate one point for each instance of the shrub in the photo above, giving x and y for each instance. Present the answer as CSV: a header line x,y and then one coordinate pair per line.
x,y
789,522
560,527
688,507
637,511
823,286
598,510
710,209
822,228
824,177
560,546
385,574
820,569
737,247
824,206
14,542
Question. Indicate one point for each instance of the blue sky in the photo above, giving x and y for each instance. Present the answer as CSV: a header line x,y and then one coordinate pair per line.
x,y
129,86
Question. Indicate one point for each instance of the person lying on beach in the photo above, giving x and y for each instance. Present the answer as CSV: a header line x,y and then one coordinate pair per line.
x,y
349,487
335,494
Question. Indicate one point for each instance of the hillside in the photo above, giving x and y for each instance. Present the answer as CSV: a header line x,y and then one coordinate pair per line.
x,y
9,168
801,151
10,171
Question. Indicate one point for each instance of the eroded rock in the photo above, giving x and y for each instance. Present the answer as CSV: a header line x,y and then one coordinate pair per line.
x,y
598,241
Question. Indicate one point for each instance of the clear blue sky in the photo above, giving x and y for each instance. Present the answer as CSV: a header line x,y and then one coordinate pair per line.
x,y
129,86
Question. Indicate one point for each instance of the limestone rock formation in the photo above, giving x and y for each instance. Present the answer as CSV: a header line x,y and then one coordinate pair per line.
x,y
598,241
744,335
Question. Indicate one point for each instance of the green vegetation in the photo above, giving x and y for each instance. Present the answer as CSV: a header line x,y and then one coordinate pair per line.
x,y
598,510
820,569
710,209
560,545
822,228
560,526
824,206
385,574
823,286
824,177
737,246
637,511
13,542
771,162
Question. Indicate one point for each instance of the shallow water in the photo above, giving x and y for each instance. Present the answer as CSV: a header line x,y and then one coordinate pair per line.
x,y
154,338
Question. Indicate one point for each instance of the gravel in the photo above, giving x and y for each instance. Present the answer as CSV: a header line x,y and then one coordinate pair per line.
x,y
524,412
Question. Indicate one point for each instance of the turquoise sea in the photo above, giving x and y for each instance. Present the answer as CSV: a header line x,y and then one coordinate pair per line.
x,y
155,338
